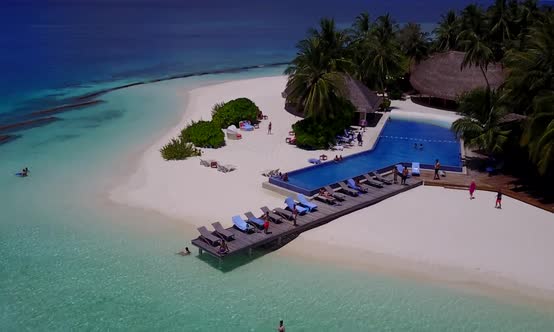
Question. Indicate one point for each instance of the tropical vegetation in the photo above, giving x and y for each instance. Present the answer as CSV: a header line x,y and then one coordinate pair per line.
x,y
516,119
204,134
179,149
234,111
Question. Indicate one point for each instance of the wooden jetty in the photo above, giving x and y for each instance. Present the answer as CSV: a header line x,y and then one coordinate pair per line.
x,y
323,214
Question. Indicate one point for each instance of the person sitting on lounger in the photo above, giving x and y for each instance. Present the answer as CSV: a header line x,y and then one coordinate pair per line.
x,y
223,249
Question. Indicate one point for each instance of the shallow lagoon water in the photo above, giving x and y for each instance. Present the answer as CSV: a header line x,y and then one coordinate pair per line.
x,y
71,259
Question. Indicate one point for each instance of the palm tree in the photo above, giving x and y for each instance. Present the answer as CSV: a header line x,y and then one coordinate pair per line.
x,y
333,42
362,27
477,53
480,127
529,88
385,29
447,32
538,135
500,26
413,42
313,83
473,19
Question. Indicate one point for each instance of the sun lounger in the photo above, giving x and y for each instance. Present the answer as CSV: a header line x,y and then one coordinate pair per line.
x,y
242,225
272,216
253,220
373,183
353,185
226,168
336,147
345,189
291,204
204,163
222,232
245,125
335,194
325,199
285,213
270,172
208,237
305,203
415,169
314,161
380,178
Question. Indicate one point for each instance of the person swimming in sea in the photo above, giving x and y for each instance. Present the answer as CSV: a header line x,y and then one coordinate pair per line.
x,y
185,252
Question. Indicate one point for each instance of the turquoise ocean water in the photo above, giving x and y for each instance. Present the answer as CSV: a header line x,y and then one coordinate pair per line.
x,y
72,260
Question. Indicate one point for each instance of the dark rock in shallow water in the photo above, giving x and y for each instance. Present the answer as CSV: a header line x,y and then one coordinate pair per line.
x,y
29,123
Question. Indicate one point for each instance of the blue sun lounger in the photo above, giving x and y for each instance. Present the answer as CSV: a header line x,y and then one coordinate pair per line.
x,y
291,205
241,225
415,169
253,220
305,203
353,185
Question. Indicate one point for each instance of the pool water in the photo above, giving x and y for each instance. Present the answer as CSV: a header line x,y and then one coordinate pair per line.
x,y
395,145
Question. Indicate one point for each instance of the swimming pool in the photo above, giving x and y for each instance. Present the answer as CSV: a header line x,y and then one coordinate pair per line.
x,y
394,145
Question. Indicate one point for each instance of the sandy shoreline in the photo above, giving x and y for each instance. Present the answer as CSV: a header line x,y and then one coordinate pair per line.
x,y
427,231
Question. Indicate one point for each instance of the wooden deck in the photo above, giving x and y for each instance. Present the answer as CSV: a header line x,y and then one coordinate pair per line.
x,y
489,183
323,214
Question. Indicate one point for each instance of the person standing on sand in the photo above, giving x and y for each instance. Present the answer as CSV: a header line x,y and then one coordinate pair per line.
x,y
281,327
269,128
498,203
472,189
437,169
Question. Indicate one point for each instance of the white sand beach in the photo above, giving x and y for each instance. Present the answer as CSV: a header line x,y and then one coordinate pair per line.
x,y
429,227
433,230
200,195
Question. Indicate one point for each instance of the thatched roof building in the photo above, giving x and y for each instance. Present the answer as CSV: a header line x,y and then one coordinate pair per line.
x,y
440,76
364,100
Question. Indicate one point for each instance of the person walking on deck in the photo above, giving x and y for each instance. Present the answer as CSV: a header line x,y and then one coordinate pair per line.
x,y
404,175
395,175
266,225
437,169
294,214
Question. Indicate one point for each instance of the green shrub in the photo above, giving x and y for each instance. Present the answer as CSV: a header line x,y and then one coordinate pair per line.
x,y
385,105
205,134
317,134
178,149
234,111
395,94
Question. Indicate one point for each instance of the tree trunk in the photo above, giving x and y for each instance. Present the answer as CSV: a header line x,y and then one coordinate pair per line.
x,y
485,76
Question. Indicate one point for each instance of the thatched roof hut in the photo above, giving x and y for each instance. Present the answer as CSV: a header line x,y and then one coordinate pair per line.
x,y
364,100
440,76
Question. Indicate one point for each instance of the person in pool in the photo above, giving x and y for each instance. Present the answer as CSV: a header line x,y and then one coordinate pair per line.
x,y
185,252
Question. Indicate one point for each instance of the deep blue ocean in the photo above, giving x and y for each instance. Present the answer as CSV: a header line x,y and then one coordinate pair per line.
x,y
57,45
